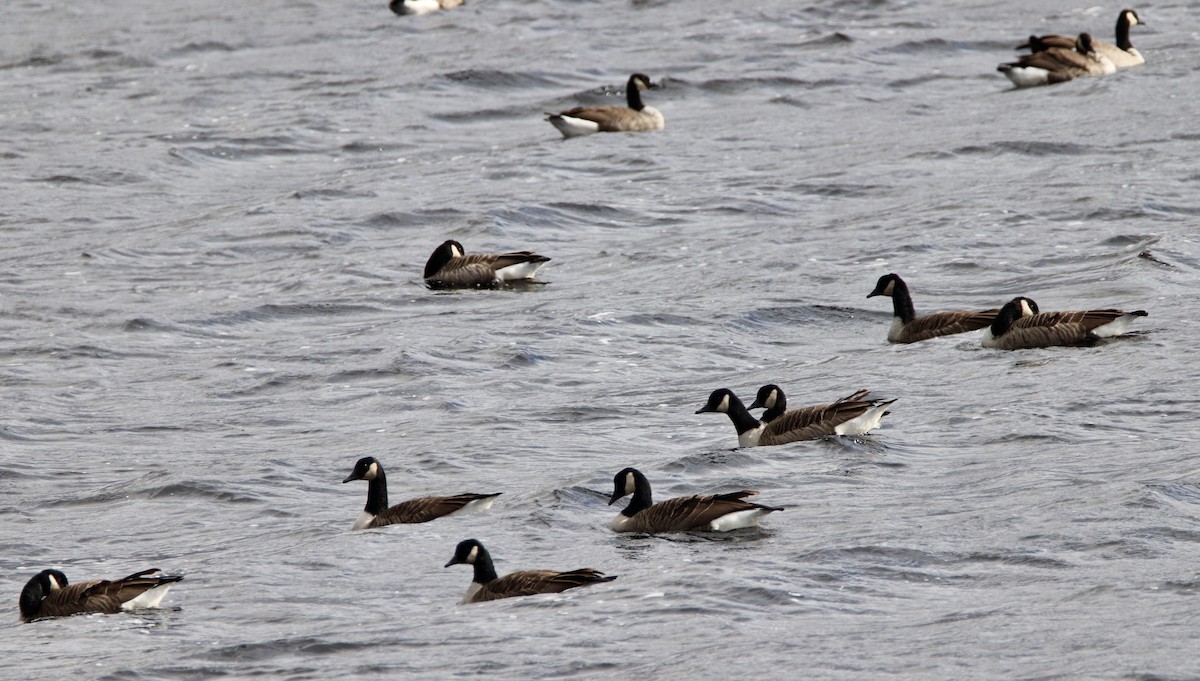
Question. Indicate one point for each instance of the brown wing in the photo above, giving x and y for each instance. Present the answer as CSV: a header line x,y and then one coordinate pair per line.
x,y
1044,336
424,509
530,582
946,323
1090,319
1047,41
810,423
460,272
690,513
1062,64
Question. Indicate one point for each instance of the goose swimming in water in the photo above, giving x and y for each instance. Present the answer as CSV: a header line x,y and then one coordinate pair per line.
x,y
853,415
49,594
636,117
1123,54
907,327
422,510
1058,65
713,513
449,266
486,586
1020,325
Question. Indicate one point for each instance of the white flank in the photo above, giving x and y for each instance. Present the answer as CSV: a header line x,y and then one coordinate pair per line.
x,y
570,126
148,599
472,506
751,437
1116,327
737,520
860,425
364,519
522,270
1027,76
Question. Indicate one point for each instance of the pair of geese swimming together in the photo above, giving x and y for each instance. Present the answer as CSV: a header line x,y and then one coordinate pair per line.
x,y
1059,58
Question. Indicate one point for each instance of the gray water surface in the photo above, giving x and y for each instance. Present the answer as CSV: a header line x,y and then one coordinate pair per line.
x,y
215,216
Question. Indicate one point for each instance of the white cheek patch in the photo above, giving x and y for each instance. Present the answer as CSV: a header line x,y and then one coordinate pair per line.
x,y
630,485
887,291
1026,311
54,585
455,251
770,403
372,471
473,554
724,406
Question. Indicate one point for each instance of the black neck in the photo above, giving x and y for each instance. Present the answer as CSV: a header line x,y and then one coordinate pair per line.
x,y
1123,32
1008,314
641,496
633,93
377,492
484,570
902,305
741,417
777,410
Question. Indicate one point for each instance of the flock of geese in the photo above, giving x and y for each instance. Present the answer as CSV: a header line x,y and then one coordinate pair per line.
x,y
1017,324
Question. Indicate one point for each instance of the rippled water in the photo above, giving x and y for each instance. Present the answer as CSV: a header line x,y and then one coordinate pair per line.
x,y
216,213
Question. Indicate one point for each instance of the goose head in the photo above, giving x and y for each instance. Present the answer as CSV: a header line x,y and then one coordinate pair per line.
x,y
886,285
449,250
467,552
367,468
720,400
766,398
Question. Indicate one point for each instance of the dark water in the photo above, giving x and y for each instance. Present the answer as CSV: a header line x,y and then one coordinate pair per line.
x,y
215,215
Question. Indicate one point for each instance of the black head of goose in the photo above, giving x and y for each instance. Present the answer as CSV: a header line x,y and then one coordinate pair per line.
x,y
1058,64
486,586
713,513
1123,54
49,594
852,415
636,117
419,7
449,266
1020,325
907,327
377,513
771,398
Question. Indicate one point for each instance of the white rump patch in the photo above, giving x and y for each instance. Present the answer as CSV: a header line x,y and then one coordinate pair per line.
x,y
1116,327
570,126
737,520
1027,76
472,506
522,270
364,519
419,7
148,599
860,425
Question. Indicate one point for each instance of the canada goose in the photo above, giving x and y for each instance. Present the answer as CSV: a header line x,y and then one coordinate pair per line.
x,y
422,510
486,586
853,415
771,398
419,7
48,594
449,266
1058,64
1021,325
1123,55
907,327
637,117
714,513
